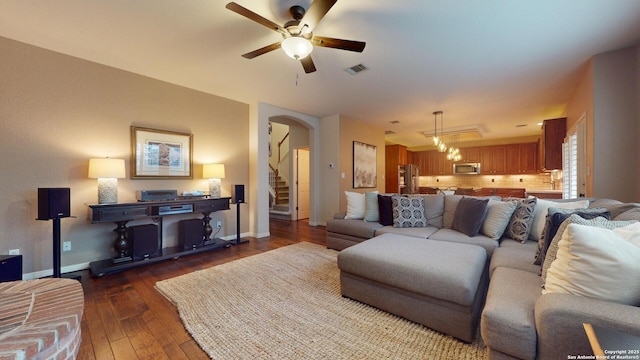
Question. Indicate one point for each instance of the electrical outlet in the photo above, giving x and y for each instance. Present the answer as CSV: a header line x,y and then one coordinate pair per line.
x,y
14,252
218,224
66,246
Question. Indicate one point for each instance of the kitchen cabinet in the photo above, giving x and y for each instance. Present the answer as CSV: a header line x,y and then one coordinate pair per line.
x,y
395,156
550,152
439,164
421,158
522,158
503,192
493,160
470,155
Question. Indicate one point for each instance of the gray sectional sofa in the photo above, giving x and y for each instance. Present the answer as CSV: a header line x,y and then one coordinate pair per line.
x,y
520,319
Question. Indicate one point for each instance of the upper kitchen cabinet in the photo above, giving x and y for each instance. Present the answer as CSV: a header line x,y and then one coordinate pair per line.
x,y
493,160
522,158
553,133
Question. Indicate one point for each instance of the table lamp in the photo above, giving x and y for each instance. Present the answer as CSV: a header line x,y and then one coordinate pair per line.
x,y
107,171
213,172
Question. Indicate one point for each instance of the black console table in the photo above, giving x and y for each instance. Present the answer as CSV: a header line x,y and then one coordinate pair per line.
x,y
122,213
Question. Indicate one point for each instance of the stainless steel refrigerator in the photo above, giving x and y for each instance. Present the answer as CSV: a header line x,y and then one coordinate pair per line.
x,y
408,179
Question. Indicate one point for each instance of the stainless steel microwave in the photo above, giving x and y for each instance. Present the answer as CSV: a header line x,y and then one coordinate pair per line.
x,y
466,169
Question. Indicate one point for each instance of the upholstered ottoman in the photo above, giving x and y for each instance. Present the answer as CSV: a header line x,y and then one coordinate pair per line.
x,y
438,284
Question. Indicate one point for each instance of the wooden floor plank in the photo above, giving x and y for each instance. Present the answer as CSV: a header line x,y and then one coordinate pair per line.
x,y
127,318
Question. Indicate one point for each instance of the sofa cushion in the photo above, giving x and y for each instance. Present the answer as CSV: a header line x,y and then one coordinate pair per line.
x,y
520,224
434,209
514,254
507,323
555,217
598,263
420,232
355,205
575,219
408,211
451,235
540,214
371,211
357,228
469,215
440,270
498,216
385,208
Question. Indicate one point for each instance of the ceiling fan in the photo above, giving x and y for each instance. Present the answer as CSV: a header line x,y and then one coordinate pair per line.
x,y
298,39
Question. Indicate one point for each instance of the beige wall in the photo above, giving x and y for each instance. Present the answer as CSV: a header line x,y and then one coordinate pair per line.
x,y
609,93
354,130
57,111
615,124
581,103
330,182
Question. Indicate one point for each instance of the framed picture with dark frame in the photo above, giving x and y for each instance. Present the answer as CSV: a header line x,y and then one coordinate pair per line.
x,y
364,165
161,154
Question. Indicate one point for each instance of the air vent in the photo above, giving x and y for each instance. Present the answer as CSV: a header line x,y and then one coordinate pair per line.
x,y
356,69
521,125
395,121
389,132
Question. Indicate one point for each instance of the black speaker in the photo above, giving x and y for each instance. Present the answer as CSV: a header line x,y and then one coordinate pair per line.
x,y
145,241
237,194
10,267
54,203
190,233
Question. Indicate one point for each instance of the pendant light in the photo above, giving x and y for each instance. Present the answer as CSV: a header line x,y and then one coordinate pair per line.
x,y
439,141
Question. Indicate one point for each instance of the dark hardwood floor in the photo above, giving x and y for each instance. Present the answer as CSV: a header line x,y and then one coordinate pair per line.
x,y
126,318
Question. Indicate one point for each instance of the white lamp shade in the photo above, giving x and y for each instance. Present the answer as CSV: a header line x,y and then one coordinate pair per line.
x,y
106,168
297,47
213,171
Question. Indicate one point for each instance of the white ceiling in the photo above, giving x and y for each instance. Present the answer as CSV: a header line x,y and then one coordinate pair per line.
x,y
492,63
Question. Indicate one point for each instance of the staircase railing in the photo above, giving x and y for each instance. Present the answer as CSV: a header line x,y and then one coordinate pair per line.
x,y
274,174
273,179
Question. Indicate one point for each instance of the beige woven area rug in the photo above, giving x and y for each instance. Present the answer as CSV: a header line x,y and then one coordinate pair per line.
x,y
286,304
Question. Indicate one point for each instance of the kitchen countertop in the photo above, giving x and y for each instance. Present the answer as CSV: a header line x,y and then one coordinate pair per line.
x,y
544,191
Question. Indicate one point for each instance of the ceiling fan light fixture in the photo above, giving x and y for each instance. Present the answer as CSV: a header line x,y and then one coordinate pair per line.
x,y
297,47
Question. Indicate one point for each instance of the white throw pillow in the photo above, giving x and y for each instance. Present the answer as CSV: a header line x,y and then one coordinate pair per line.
x,y
598,263
355,205
542,209
498,216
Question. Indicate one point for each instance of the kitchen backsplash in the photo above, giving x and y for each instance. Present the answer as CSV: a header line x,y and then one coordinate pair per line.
x,y
529,182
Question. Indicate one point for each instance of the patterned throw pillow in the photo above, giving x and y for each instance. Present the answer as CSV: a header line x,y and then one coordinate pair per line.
x,y
555,217
521,220
600,222
408,211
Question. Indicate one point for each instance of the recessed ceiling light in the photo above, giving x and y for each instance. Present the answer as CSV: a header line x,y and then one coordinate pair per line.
x,y
539,124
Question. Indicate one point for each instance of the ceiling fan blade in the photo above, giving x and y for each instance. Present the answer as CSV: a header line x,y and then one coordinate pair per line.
x,y
316,12
308,65
262,50
255,17
349,45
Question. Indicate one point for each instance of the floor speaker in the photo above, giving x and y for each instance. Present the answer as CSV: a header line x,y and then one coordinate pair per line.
x,y
191,233
10,267
237,194
53,203
145,241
